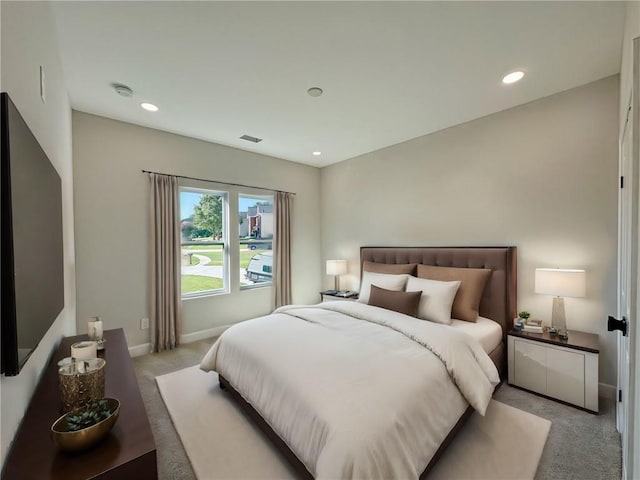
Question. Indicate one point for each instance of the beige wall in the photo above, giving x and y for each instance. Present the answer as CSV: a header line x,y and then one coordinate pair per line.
x,y
631,31
23,52
542,177
112,230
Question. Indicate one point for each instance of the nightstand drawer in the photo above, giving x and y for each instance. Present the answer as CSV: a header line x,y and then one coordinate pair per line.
x,y
530,366
565,376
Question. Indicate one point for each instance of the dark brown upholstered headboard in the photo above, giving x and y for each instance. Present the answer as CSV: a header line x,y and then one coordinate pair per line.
x,y
499,298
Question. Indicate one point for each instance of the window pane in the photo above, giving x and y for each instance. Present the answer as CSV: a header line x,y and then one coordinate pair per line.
x,y
256,239
202,226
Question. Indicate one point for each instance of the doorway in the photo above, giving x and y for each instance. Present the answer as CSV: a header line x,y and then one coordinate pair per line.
x,y
627,418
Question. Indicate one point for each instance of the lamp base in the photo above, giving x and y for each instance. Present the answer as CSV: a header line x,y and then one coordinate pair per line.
x,y
558,319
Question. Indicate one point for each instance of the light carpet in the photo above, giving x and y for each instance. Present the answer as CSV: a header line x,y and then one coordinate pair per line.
x,y
222,443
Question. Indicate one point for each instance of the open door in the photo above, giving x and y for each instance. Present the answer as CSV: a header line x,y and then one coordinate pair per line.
x,y
628,278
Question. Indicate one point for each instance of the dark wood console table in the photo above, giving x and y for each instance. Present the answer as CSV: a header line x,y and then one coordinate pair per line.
x,y
128,452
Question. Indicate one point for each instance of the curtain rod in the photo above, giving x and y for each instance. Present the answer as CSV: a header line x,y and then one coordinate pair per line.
x,y
218,181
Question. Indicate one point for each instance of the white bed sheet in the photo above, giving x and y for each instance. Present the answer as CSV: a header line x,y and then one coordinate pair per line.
x,y
485,331
345,385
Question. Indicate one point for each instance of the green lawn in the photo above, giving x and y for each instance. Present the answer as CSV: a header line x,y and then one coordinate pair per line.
x,y
199,283
202,247
215,258
218,248
185,261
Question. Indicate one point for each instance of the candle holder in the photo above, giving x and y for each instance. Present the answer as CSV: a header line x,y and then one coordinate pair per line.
x,y
80,382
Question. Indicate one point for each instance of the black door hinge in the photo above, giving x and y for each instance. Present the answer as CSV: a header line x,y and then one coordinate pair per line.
x,y
619,395
621,182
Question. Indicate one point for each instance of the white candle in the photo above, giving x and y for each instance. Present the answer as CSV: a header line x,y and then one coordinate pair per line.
x,y
84,350
95,329
98,327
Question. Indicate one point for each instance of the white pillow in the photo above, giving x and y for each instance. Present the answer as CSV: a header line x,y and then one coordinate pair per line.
x,y
382,280
437,298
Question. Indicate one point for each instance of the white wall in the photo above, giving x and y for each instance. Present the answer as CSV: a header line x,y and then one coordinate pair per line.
x,y
542,177
28,41
112,229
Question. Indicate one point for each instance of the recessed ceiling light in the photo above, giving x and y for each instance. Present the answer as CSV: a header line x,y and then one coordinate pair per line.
x,y
314,91
316,153
513,77
149,107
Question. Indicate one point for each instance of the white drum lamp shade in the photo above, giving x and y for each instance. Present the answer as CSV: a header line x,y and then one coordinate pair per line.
x,y
336,268
560,283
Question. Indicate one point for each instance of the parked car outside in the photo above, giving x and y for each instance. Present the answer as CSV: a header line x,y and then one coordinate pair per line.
x,y
260,268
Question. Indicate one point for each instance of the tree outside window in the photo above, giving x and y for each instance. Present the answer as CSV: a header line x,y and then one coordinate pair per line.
x,y
204,253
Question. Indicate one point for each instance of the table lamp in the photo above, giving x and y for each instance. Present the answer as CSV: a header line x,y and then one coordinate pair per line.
x,y
560,283
336,268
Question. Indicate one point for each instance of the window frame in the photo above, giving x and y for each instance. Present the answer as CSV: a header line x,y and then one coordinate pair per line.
x,y
258,197
226,280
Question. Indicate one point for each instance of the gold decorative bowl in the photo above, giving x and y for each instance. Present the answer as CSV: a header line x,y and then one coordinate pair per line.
x,y
78,440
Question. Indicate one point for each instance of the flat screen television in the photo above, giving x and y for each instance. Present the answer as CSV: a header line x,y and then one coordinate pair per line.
x,y
32,279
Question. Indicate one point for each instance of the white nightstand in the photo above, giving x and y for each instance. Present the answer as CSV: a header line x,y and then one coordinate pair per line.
x,y
565,370
331,297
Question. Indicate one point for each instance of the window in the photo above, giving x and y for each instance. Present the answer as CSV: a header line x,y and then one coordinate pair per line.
x,y
256,239
205,258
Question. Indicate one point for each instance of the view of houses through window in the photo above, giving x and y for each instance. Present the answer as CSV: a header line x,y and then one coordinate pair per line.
x,y
205,256
256,239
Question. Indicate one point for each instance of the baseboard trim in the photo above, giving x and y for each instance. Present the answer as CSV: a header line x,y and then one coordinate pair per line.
x,y
143,349
202,334
607,391
139,350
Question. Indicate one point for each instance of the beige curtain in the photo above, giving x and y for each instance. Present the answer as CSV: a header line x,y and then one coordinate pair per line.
x,y
282,249
165,260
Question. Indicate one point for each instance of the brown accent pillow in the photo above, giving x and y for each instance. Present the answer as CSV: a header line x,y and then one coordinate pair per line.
x,y
390,268
472,283
402,302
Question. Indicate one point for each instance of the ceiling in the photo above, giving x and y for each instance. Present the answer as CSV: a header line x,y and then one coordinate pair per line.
x,y
390,71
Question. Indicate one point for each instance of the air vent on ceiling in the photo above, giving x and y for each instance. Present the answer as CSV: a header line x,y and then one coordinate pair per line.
x,y
249,138
122,90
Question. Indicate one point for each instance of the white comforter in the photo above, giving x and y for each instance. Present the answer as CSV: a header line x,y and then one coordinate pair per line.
x,y
355,391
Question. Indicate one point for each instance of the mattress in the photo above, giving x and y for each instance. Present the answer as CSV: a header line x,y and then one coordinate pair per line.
x,y
485,331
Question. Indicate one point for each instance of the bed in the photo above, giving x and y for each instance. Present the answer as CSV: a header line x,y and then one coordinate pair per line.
x,y
349,390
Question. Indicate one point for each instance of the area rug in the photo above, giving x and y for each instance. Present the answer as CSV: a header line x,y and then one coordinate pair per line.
x,y
222,443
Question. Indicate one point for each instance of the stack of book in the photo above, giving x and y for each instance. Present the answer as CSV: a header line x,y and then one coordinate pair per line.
x,y
533,326
346,294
